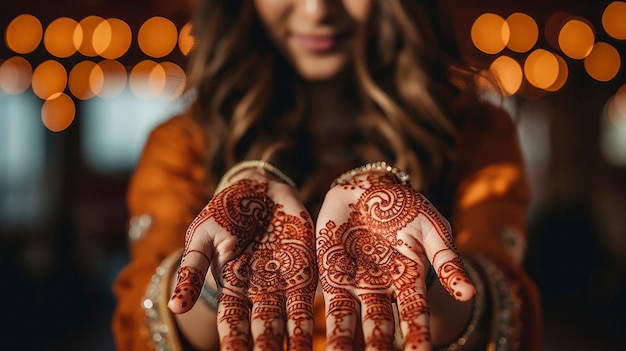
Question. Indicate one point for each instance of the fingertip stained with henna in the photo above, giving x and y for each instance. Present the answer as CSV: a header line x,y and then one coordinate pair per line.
x,y
187,290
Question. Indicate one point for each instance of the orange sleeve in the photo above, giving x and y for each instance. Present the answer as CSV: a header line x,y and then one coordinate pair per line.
x,y
489,208
167,186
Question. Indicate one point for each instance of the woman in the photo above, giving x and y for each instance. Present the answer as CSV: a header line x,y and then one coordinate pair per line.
x,y
292,96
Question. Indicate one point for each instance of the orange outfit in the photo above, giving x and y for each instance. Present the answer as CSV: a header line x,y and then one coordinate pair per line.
x,y
488,198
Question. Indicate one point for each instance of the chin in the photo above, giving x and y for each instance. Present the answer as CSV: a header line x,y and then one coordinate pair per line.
x,y
321,70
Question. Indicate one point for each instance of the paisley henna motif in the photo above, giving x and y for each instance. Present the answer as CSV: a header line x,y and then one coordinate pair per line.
x,y
386,209
272,275
244,211
360,260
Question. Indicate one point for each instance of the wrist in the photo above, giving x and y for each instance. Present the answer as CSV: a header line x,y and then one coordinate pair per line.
x,y
253,168
402,177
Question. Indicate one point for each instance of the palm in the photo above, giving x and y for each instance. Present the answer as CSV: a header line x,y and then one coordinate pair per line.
x,y
373,240
260,252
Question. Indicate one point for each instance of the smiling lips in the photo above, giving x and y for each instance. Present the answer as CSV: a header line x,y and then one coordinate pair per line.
x,y
318,43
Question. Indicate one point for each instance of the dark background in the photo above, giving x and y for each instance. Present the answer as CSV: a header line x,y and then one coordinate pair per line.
x,y
57,271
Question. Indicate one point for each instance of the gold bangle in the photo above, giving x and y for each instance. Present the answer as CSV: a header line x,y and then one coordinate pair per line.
x,y
273,170
402,176
477,311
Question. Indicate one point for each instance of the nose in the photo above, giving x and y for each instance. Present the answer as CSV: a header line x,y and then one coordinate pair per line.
x,y
320,9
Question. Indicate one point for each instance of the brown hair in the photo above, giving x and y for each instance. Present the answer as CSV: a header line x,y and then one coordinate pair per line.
x,y
249,99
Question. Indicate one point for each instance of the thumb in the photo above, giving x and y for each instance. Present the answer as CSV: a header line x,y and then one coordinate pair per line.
x,y
189,281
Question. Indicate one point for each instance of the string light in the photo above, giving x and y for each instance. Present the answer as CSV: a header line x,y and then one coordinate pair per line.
x,y
79,83
576,39
574,35
603,62
524,32
562,74
15,75
614,20
58,112
24,34
63,37
490,33
186,40
508,72
110,39
94,36
541,68
88,26
157,37
49,78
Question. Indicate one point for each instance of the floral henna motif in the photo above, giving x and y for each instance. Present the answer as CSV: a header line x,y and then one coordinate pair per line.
x,y
361,255
386,209
243,210
277,270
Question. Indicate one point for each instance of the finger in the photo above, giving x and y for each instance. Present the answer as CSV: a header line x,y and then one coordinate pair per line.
x,y
341,317
193,267
377,320
233,321
300,322
414,318
189,281
442,253
267,326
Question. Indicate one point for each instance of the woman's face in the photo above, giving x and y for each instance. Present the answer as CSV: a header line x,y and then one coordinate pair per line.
x,y
315,36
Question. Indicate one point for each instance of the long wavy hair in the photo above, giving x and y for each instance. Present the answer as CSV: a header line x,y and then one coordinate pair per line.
x,y
251,103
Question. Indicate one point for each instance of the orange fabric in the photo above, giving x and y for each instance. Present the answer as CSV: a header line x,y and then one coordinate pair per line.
x,y
492,195
168,184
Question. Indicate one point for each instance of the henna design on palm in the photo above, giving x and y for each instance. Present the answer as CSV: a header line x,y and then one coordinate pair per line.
x,y
243,211
277,277
262,255
374,253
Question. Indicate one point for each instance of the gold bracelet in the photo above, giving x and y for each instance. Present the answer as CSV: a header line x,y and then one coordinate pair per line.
x,y
477,311
404,177
273,170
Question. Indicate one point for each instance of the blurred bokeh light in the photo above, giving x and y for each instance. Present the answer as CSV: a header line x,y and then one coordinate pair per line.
x,y
49,78
524,32
576,39
58,112
112,38
63,37
603,62
157,37
490,33
24,34
15,75
614,20
541,68
509,74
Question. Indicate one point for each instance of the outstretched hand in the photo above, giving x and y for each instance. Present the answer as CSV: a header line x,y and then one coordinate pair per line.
x,y
375,240
257,238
